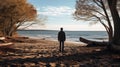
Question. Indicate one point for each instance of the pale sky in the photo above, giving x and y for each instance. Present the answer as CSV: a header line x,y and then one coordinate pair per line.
x,y
59,14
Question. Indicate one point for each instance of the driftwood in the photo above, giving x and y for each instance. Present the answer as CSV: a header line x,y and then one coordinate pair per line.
x,y
16,39
21,39
91,43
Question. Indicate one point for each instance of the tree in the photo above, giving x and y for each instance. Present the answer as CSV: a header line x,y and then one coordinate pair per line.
x,y
104,11
13,13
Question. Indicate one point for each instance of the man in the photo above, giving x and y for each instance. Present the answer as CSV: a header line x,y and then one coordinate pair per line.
x,y
61,39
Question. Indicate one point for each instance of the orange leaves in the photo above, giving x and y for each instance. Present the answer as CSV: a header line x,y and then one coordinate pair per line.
x,y
15,12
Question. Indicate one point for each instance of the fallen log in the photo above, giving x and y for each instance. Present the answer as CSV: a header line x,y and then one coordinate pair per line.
x,y
91,43
17,39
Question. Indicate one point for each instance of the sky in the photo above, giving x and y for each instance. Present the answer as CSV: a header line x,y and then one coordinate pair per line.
x,y
59,14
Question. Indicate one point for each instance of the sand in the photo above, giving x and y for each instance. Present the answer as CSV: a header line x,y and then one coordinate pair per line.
x,y
45,53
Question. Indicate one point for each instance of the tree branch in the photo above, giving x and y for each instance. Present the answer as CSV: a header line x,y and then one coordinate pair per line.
x,y
96,1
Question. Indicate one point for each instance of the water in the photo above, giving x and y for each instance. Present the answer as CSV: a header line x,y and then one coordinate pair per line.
x,y
70,35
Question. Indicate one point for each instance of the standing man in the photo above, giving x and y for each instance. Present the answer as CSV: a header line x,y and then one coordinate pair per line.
x,y
61,39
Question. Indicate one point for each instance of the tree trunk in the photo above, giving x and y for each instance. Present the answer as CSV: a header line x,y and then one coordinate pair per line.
x,y
110,28
116,21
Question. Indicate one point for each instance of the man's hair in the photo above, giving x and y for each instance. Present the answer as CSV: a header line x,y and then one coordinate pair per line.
x,y
61,28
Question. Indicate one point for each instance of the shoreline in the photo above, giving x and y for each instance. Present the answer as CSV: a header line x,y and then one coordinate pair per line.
x,y
74,41
70,35
67,41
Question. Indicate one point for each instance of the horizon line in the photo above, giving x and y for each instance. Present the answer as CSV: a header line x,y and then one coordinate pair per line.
x,y
57,30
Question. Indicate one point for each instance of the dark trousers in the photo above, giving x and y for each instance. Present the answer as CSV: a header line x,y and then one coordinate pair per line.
x,y
61,47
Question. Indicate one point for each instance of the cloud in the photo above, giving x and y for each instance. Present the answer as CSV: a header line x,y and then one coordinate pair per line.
x,y
75,27
71,27
56,11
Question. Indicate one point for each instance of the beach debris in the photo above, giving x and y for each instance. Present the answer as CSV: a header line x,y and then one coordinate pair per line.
x,y
4,43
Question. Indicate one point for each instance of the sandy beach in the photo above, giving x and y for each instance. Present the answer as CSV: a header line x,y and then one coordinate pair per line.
x,y
45,53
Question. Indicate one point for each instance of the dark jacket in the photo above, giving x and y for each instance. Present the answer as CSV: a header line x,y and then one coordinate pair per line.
x,y
61,36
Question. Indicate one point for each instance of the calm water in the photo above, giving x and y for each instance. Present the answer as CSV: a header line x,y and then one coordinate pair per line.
x,y
70,35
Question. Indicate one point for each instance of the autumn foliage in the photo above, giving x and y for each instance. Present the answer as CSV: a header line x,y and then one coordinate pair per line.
x,y
14,13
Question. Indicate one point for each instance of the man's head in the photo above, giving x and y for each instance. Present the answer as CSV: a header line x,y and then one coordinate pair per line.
x,y
61,29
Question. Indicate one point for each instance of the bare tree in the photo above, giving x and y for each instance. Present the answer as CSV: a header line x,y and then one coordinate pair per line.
x,y
104,11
